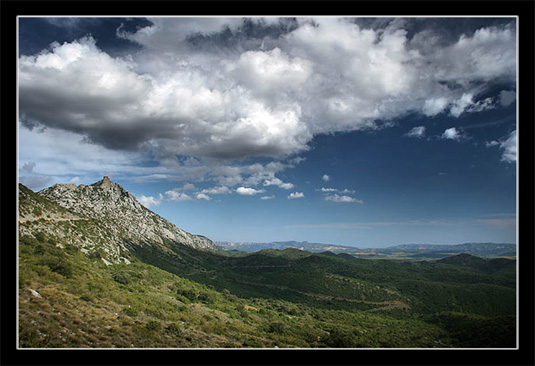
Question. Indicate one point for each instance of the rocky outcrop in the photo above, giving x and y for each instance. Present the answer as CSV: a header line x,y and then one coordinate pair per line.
x,y
101,215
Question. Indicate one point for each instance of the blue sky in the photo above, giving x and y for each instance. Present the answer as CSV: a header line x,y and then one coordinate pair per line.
x,y
353,131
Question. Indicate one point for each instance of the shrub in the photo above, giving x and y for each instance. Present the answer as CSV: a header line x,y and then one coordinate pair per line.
x,y
58,264
87,297
340,339
39,250
153,325
276,327
251,342
95,255
188,294
175,329
130,311
121,278
40,236
207,297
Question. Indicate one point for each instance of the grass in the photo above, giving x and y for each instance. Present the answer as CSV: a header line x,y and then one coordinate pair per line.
x,y
139,305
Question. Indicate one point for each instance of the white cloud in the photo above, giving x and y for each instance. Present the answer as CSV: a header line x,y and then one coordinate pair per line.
x,y
328,189
466,104
264,198
245,191
269,72
296,195
489,54
508,144
417,132
341,199
326,178
482,105
432,107
510,147
265,96
188,187
150,201
202,196
217,190
279,183
174,195
452,134
460,105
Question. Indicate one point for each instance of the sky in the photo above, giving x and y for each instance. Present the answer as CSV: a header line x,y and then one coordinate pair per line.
x,y
367,132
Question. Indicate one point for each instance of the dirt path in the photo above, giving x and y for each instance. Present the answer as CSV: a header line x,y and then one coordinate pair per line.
x,y
383,305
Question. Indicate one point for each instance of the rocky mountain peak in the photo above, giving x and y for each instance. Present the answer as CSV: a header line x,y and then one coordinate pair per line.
x,y
106,183
120,214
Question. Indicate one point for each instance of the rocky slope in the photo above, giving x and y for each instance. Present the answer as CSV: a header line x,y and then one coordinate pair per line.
x,y
102,216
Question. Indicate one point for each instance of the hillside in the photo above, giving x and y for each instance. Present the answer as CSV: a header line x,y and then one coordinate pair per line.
x,y
403,251
89,277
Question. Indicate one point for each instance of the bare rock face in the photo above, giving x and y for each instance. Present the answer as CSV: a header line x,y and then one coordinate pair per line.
x,y
105,215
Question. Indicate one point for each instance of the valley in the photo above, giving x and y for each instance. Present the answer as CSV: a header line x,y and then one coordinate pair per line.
x,y
97,270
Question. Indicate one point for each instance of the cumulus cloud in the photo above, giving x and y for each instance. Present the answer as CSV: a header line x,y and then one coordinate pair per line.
x,y
150,201
328,189
296,195
417,132
174,195
279,183
203,196
217,190
432,107
270,72
326,178
466,104
452,134
460,105
246,191
341,199
509,146
199,87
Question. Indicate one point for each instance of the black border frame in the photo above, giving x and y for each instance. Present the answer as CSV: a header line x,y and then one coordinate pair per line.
x,y
524,355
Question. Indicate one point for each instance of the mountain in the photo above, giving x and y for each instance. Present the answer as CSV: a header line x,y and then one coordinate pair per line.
x,y
101,217
483,249
281,245
414,251
479,264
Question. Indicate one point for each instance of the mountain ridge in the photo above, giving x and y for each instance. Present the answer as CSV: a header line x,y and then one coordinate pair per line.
x,y
482,248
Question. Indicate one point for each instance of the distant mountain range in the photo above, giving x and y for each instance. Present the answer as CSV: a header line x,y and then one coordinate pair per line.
x,y
412,250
